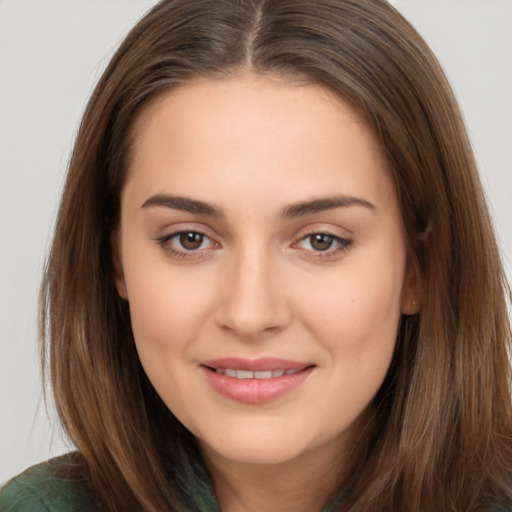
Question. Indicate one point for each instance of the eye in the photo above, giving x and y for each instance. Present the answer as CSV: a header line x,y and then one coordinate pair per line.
x,y
182,243
324,243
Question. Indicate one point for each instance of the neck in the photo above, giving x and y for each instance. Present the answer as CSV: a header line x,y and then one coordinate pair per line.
x,y
304,483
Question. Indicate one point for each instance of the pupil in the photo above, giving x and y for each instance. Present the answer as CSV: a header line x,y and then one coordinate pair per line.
x,y
191,240
321,242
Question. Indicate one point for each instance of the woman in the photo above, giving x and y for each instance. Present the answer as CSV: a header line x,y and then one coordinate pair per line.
x,y
274,283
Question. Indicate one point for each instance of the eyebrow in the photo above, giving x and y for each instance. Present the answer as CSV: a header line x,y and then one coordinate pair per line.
x,y
323,204
184,204
292,211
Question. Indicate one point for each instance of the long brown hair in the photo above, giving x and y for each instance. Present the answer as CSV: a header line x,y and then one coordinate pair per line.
x,y
440,434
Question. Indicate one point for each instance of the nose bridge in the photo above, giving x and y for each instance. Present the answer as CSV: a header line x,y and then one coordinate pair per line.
x,y
252,301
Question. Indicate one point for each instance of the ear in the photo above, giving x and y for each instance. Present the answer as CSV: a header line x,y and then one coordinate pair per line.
x,y
118,267
411,301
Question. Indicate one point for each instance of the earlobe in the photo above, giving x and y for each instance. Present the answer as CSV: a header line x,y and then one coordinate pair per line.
x,y
120,281
411,303
118,270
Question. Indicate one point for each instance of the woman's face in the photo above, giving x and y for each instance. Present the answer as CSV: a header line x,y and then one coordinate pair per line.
x,y
262,254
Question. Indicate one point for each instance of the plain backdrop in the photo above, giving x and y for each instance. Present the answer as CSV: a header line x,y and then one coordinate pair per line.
x,y
52,52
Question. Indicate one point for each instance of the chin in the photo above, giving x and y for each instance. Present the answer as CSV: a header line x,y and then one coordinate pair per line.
x,y
256,449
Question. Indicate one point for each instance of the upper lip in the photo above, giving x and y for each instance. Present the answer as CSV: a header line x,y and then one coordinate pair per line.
x,y
255,365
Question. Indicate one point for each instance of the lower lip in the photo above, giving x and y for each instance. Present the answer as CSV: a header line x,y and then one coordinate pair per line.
x,y
255,391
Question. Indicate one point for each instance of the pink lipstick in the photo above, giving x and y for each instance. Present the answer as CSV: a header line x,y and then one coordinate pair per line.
x,y
255,381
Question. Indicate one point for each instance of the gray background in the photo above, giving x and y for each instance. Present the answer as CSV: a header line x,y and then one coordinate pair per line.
x,y
51,54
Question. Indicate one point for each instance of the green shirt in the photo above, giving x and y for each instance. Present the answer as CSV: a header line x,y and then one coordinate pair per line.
x,y
40,489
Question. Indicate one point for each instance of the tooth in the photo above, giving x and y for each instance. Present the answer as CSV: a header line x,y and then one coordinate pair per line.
x,y
244,374
247,374
263,375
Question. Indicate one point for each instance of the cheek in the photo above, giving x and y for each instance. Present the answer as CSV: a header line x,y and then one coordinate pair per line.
x,y
168,305
162,312
166,315
365,303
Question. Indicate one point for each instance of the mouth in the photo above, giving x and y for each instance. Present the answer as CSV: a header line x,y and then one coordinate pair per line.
x,y
248,374
255,381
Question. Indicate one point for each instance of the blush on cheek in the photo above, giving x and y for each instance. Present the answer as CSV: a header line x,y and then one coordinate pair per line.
x,y
365,320
149,320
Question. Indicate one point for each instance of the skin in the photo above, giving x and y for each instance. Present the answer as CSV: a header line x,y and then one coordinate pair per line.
x,y
258,285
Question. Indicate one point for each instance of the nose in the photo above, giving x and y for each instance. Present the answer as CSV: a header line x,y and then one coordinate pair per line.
x,y
253,300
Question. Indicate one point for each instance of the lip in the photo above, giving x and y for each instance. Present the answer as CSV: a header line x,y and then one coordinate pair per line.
x,y
255,391
256,365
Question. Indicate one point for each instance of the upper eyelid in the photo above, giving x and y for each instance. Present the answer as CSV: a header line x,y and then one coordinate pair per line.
x,y
174,234
185,227
340,239
321,229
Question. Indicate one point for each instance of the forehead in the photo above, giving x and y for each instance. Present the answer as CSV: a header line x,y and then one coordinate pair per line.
x,y
258,133
251,98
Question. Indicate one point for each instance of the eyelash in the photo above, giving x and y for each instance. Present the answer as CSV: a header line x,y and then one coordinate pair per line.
x,y
166,243
343,245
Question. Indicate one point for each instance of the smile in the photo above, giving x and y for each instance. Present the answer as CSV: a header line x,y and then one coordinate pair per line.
x,y
247,374
255,381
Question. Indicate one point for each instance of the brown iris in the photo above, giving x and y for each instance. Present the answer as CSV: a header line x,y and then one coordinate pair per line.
x,y
191,240
321,242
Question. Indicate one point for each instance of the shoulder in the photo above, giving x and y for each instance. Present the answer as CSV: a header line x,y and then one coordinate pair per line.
x,y
46,488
